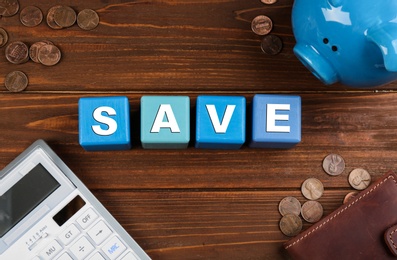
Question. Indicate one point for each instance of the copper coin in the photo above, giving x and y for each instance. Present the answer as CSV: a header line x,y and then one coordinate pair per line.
x,y
289,205
50,17
17,53
31,16
359,179
87,19
34,50
64,16
8,7
16,81
269,2
261,25
290,225
49,55
312,211
3,37
271,44
334,164
312,189
350,196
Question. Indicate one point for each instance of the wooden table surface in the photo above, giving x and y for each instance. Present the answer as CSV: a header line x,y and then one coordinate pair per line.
x,y
192,203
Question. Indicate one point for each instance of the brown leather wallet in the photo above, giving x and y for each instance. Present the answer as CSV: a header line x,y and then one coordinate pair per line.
x,y
364,228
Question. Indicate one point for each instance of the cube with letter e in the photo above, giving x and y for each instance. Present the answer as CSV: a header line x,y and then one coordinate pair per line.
x,y
276,121
220,122
104,123
165,122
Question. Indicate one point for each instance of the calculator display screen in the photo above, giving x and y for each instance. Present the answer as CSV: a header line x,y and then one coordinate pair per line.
x,y
24,196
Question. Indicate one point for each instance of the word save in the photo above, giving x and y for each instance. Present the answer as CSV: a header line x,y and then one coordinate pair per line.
x,y
220,122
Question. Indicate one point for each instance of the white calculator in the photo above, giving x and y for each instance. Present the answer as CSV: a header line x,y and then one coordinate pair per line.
x,y
46,212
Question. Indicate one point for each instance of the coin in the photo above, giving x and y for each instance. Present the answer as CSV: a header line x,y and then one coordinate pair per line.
x,y
359,179
31,16
350,196
34,50
64,16
50,17
290,225
261,25
271,44
289,205
333,164
49,55
3,37
312,189
8,7
17,52
269,2
87,19
16,81
312,211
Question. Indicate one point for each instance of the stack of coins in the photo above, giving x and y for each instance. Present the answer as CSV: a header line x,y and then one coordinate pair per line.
x,y
262,25
43,52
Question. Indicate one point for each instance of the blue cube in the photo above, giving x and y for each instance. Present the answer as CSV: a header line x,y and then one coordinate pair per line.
x,y
165,122
220,122
276,121
104,123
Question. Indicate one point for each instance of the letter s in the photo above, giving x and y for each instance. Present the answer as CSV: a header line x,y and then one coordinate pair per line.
x,y
110,122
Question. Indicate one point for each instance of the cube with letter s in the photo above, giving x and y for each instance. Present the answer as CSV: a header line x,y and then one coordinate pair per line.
x,y
104,123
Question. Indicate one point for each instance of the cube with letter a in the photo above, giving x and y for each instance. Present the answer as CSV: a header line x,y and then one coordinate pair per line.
x,y
165,122
276,121
104,123
220,122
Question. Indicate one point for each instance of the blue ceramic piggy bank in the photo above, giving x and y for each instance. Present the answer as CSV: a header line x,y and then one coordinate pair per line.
x,y
353,42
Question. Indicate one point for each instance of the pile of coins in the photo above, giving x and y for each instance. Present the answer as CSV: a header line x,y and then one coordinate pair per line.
x,y
43,52
312,189
262,25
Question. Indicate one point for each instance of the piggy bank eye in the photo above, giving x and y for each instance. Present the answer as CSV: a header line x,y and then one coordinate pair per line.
x,y
334,48
325,41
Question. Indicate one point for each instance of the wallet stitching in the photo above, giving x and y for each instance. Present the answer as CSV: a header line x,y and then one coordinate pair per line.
x,y
391,238
342,210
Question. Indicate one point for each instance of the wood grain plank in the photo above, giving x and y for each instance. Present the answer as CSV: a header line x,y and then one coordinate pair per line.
x,y
360,127
207,225
166,46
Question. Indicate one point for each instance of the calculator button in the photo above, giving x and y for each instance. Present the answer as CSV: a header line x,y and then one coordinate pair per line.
x,y
100,232
97,256
51,250
65,256
113,248
69,234
129,256
82,248
87,218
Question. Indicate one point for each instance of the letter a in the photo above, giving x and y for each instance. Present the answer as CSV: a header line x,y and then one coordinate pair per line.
x,y
165,110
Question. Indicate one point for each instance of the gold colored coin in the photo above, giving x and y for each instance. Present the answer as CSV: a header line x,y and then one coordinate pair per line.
x,y
290,225
289,205
333,164
312,211
350,196
359,179
16,81
312,189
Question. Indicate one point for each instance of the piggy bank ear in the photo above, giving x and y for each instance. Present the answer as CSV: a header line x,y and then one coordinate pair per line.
x,y
385,36
335,3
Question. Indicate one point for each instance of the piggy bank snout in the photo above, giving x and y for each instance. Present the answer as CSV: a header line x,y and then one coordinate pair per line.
x,y
316,63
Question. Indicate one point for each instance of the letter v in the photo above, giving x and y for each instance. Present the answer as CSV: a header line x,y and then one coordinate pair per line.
x,y
220,128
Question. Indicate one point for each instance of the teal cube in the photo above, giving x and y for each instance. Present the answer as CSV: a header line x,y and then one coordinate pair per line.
x,y
165,122
104,123
220,122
